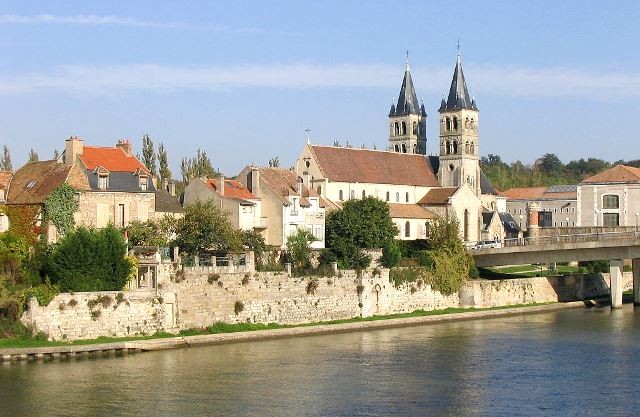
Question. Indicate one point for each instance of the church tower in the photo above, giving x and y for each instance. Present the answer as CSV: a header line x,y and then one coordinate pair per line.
x,y
408,121
459,161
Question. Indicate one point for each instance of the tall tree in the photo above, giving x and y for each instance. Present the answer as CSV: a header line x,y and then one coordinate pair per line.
x,y
56,154
5,161
206,227
163,161
274,162
33,156
198,166
149,155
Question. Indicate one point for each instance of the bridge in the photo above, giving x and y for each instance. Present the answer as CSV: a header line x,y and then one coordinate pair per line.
x,y
612,246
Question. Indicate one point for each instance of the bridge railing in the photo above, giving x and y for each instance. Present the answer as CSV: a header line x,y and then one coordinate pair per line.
x,y
550,240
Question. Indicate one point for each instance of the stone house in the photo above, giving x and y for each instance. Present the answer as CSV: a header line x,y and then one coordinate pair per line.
x,y
610,198
244,208
286,204
556,205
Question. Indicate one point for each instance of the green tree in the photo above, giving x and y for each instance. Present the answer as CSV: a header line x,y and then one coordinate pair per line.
x,y
148,154
254,241
299,246
151,233
163,162
206,227
33,156
198,166
274,162
91,260
5,161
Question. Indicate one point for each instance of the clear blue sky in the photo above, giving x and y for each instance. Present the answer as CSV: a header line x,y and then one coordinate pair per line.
x,y
243,80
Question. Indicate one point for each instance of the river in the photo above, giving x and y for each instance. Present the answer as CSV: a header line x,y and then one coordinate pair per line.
x,y
569,363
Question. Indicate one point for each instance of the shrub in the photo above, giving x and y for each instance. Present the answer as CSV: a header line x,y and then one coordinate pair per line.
x,y
391,255
312,286
213,278
238,307
425,258
44,293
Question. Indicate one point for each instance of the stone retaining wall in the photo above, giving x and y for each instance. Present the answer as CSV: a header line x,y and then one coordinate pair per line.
x,y
187,299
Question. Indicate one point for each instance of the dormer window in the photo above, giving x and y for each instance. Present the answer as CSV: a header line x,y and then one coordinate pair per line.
x,y
30,184
103,181
144,183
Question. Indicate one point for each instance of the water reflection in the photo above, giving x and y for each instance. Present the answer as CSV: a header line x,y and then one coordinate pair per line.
x,y
578,362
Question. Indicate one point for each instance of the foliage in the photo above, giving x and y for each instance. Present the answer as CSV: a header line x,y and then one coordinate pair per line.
x,y
444,233
91,260
198,166
23,221
391,255
60,206
206,227
148,154
33,156
151,232
254,241
44,293
5,161
299,246
274,162
238,307
360,224
163,162
594,267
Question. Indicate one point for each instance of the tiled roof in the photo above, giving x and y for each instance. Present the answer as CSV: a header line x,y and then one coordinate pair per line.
x,y
284,184
33,183
113,159
232,189
165,203
619,173
5,177
410,211
438,196
374,167
541,193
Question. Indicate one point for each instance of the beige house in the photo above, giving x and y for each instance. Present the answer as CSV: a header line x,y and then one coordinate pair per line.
x,y
556,205
460,203
245,209
611,198
286,203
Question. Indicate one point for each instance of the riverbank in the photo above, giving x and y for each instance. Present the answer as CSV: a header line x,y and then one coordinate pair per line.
x,y
167,341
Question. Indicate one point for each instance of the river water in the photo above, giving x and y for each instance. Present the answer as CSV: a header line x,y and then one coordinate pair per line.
x,y
581,362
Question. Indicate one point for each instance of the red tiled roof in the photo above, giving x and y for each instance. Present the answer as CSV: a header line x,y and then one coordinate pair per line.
x,y
438,196
5,177
410,211
538,193
374,167
232,189
284,183
33,183
113,159
619,173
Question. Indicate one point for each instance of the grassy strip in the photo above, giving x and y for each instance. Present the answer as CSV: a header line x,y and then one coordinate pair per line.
x,y
525,271
221,327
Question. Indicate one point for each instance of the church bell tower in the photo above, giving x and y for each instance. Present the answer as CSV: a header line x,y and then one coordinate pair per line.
x,y
459,160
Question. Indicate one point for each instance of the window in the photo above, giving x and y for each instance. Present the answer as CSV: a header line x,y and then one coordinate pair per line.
x,y
294,207
610,219
397,148
404,148
120,219
407,229
143,212
448,124
426,229
319,189
397,126
103,182
143,183
404,128
364,194
555,210
387,195
573,209
610,201
447,147
31,184
340,196
397,197
415,128
455,123
352,196
406,197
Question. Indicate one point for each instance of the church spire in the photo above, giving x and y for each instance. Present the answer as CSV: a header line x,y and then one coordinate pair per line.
x,y
458,93
407,99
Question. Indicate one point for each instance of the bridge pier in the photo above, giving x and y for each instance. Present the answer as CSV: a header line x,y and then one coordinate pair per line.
x,y
635,266
615,272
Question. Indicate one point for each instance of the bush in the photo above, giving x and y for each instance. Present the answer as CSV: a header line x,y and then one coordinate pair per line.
x,y
391,255
425,258
238,307
594,267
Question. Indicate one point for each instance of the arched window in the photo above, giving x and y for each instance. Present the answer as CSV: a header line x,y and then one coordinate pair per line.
x,y
364,194
397,197
353,195
407,197
387,195
455,123
340,195
610,201
397,126
471,149
455,147
404,148
466,123
404,128
448,124
473,124
415,128
466,147
447,147
397,148
407,229
390,129
466,225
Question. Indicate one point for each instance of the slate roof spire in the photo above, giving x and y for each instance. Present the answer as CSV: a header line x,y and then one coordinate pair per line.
x,y
407,100
458,93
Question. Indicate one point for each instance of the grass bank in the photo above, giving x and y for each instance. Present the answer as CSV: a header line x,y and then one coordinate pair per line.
x,y
220,328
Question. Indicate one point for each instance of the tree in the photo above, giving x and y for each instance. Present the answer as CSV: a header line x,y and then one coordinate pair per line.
x,y
163,162
206,227
361,224
33,156
274,162
254,241
91,260
148,154
151,232
299,246
198,166
5,161
56,154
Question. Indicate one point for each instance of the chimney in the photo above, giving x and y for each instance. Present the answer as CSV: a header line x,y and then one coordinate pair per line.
x,y
220,184
254,181
125,145
73,147
172,188
165,184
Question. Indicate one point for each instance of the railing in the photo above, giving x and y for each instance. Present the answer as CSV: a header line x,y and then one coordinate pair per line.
x,y
551,240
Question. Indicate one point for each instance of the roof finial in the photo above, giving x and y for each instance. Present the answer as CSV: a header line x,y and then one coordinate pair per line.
x,y
407,60
308,135
458,56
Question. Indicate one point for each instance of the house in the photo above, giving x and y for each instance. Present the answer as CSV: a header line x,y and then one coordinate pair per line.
x,y
610,198
5,177
286,204
460,203
234,197
556,205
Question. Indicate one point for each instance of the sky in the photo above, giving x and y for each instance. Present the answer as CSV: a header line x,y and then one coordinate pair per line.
x,y
243,80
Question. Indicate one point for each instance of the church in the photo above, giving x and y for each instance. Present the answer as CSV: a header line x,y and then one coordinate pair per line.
x,y
417,187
